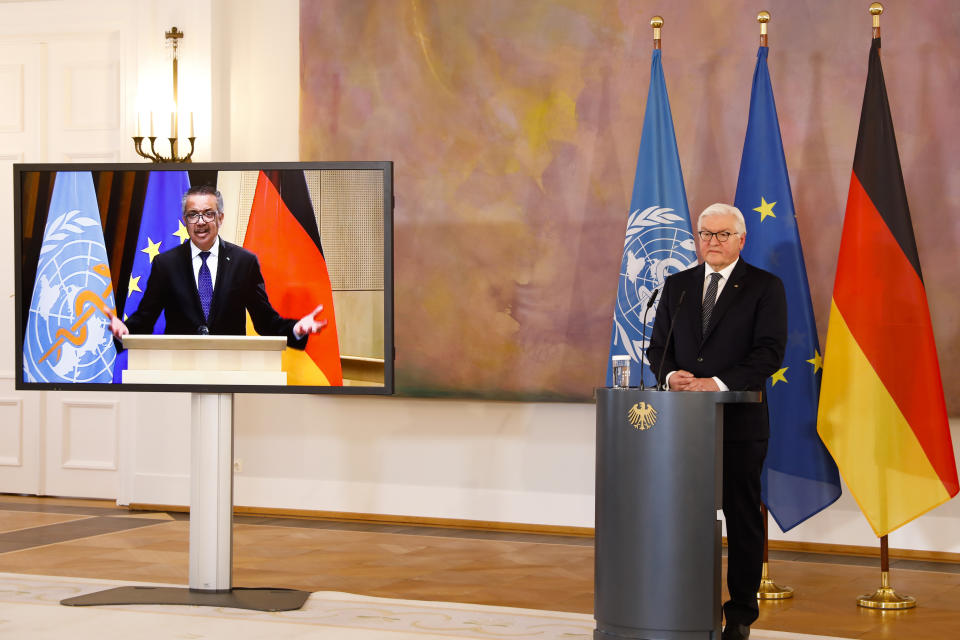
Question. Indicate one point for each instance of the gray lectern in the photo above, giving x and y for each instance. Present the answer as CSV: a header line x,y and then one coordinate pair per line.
x,y
659,469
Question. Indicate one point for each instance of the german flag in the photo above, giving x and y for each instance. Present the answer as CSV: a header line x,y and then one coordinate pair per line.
x,y
283,233
882,413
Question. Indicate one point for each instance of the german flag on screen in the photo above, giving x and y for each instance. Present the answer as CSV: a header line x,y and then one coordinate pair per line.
x,y
882,413
283,233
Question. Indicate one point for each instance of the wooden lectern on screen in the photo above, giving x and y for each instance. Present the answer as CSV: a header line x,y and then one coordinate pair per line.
x,y
234,360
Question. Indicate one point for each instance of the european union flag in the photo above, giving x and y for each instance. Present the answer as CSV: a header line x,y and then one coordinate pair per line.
x,y
659,240
68,335
799,477
161,228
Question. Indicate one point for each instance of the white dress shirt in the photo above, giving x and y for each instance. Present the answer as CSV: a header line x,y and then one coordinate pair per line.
x,y
724,276
211,262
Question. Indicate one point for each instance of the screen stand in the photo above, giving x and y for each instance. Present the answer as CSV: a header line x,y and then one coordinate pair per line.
x,y
211,526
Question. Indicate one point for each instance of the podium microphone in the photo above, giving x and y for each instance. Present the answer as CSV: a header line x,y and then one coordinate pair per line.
x,y
643,356
666,345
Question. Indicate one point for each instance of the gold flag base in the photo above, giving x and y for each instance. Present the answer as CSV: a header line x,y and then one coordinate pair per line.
x,y
885,597
770,590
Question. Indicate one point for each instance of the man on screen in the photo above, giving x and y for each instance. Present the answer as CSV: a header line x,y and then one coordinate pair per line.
x,y
205,286
729,334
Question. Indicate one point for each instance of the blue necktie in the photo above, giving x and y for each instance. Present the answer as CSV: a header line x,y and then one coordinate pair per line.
x,y
205,284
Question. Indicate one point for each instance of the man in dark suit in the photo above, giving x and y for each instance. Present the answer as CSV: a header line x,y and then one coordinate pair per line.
x,y
729,333
205,286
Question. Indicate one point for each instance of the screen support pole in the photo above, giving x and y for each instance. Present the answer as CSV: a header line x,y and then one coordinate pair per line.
x,y
211,526
211,491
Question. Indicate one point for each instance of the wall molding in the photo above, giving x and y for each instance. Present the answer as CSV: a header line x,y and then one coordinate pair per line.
x,y
16,459
66,459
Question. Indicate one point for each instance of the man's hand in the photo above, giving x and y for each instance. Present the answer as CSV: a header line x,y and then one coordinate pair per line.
x,y
686,381
309,324
702,384
117,328
680,380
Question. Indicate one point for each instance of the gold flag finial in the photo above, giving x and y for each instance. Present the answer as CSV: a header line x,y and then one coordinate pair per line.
x,y
763,18
875,10
657,23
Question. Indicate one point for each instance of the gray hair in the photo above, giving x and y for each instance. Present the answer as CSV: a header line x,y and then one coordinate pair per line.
x,y
201,190
720,209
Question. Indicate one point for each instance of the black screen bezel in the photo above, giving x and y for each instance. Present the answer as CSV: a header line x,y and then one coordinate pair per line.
x,y
386,167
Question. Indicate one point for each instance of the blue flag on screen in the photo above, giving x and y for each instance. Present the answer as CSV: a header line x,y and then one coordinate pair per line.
x,y
161,228
68,335
659,240
800,478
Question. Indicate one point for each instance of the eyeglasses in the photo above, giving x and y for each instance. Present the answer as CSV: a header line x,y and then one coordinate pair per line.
x,y
721,236
193,217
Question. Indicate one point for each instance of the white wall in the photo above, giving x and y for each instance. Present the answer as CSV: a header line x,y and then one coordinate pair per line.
x,y
498,461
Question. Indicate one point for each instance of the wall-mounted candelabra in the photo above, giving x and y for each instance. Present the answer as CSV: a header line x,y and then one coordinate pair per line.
x,y
172,40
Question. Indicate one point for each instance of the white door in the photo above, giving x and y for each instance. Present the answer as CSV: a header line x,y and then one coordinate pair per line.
x,y
61,100
22,118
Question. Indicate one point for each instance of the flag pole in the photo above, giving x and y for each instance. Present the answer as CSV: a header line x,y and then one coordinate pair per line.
x,y
768,589
763,18
884,597
657,23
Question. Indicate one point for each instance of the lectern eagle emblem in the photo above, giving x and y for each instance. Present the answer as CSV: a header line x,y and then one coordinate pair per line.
x,y
642,416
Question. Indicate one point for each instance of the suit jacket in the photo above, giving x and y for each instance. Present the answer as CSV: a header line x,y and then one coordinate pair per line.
x,y
743,345
172,288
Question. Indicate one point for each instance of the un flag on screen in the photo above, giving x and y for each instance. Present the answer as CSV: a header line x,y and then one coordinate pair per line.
x,y
68,335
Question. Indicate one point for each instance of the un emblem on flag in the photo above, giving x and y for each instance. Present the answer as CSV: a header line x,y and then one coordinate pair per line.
x,y
642,416
657,244
67,335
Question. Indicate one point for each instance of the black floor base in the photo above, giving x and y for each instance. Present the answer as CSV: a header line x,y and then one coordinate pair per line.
x,y
237,598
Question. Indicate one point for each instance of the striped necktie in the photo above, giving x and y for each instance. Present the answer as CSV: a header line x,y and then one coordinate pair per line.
x,y
709,299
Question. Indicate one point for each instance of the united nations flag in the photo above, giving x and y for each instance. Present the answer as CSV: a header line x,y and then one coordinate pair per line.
x,y
659,239
68,335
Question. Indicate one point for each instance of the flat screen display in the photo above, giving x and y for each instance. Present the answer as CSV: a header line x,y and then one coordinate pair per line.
x,y
214,277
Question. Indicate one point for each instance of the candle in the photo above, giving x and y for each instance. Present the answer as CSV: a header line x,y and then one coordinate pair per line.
x,y
173,124
191,124
138,124
151,124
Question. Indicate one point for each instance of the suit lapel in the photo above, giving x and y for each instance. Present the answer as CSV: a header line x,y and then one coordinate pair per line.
x,y
224,275
185,265
731,290
693,301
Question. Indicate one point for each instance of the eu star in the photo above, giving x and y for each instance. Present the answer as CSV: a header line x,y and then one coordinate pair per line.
x,y
152,249
133,286
182,233
816,361
765,209
779,377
